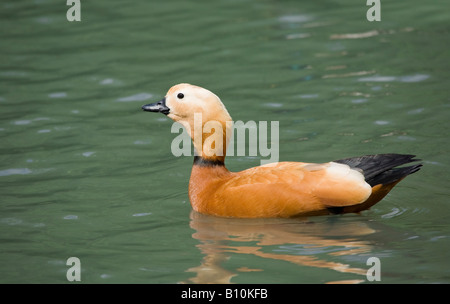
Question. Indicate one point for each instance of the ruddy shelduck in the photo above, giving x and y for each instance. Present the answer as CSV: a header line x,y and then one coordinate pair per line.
x,y
281,189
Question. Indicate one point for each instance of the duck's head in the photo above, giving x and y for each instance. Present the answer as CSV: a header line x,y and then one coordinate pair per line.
x,y
198,110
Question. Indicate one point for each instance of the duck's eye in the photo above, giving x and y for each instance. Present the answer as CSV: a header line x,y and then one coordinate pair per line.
x,y
180,95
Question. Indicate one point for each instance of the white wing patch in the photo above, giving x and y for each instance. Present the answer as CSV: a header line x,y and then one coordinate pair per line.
x,y
342,171
343,185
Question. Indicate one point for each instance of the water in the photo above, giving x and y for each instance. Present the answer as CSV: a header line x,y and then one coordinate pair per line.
x,y
85,173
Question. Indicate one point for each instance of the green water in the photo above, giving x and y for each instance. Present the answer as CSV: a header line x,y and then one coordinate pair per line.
x,y
85,173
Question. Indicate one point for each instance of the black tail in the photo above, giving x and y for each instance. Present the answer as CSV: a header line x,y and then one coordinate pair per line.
x,y
381,168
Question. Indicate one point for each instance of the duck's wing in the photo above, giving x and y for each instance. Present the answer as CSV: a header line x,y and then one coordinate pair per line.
x,y
291,188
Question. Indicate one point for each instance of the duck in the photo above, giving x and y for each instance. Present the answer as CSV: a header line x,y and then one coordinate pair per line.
x,y
275,190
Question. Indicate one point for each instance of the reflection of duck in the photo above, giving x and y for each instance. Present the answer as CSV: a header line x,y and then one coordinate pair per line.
x,y
282,189
222,237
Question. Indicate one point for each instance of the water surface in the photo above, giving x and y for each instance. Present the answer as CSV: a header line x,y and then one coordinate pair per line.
x,y
85,173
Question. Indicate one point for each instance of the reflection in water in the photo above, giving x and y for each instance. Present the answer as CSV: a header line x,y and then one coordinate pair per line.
x,y
298,241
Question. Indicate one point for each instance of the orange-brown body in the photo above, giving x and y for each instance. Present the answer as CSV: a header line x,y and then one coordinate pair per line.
x,y
264,192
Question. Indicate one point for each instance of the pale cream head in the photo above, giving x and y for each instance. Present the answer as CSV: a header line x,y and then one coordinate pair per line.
x,y
202,113
185,99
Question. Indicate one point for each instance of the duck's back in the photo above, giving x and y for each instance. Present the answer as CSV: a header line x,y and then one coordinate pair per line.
x,y
283,189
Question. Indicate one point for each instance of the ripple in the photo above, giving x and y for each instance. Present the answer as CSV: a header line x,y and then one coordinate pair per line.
x,y
142,214
416,111
307,249
308,96
105,276
434,239
351,74
11,221
44,131
142,142
71,217
88,154
378,79
15,171
273,105
44,20
108,81
56,262
136,97
58,95
360,100
41,118
355,35
22,122
294,18
401,211
297,36
23,171
433,163
406,138
407,78
414,78
412,237
394,213
14,73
